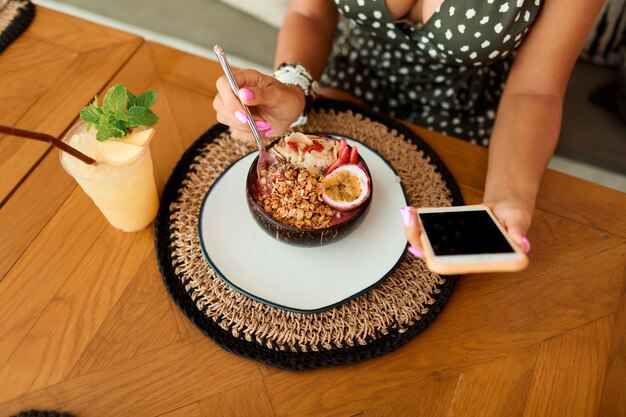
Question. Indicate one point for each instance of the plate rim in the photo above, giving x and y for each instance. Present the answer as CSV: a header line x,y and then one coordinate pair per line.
x,y
275,304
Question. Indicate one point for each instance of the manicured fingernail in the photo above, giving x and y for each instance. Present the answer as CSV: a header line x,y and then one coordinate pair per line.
x,y
415,252
525,244
241,117
269,133
262,124
407,216
247,94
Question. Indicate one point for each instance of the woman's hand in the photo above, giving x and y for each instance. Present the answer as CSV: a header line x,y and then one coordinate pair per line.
x,y
273,105
514,215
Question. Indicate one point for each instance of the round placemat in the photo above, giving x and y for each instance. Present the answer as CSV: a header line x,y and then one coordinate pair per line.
x,y
15,16
368,326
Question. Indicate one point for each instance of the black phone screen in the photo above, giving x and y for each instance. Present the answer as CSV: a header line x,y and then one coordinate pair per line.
x,y
464,233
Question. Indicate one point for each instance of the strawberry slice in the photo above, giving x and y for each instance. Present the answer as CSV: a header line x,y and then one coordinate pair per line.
x,y
317,146
354,156
344,156
293,146
343,143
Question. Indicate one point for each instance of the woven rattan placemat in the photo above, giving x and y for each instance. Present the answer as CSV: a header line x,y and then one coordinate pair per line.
x,y
370,325
15,16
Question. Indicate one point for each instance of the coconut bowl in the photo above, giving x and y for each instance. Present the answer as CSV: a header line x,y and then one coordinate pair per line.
x,y
299,236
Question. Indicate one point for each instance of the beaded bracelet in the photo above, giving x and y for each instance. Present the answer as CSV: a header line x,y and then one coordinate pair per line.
x,y
296,74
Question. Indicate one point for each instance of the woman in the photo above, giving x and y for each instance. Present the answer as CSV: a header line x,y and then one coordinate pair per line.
x,y
443,64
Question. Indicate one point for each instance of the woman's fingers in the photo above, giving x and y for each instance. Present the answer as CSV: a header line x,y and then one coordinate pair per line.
x,y
412,230
515,220
224,114
519,237
230,102
237,120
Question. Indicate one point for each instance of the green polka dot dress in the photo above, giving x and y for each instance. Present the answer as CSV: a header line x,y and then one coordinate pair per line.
x,y
447,74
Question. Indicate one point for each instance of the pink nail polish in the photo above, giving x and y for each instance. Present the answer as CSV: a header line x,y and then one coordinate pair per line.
x,y
269,133
247,94
241,117
525,244
407,216
415,252
262,125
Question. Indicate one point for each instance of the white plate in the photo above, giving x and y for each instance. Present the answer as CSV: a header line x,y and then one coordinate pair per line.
x,y
302,279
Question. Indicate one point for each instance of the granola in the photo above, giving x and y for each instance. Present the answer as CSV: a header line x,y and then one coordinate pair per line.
x,y
295,199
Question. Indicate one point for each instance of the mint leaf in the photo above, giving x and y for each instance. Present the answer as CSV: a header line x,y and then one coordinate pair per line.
x,y
91,115
141,116
131,100
106,133
119,125
112,127
121,116
121,110
115,99
146,99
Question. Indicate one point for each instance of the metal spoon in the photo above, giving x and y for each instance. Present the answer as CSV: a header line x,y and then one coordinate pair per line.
x,y
264,157
50,139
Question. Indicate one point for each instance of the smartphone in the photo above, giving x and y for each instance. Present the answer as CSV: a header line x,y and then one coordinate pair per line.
x,y
467,239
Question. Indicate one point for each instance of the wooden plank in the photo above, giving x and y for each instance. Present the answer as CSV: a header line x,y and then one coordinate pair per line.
x,y
46,355
31,207
612,403
248,400
74,33
21,85
569,372
497,388
481,322
584,202
190,410
188,71
167,147
185,327
44,267
431,399
141,321
166,379
194,111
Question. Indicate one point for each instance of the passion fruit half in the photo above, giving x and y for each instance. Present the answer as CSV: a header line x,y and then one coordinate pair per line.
x,y
346,188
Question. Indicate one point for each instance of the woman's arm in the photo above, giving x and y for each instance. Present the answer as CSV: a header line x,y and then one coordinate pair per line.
x,y
529,115
306,36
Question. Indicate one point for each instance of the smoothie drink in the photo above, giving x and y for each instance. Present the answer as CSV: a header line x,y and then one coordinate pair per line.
x,y
125,193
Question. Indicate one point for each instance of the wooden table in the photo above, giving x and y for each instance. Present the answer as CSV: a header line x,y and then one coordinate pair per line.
x,y
88,327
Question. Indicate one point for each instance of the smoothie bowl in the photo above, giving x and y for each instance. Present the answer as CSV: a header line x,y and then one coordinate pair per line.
x,y
317,192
